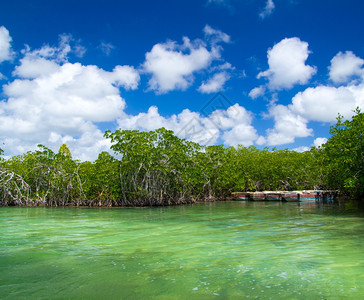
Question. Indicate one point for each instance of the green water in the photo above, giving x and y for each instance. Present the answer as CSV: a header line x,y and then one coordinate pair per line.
x,y
232,250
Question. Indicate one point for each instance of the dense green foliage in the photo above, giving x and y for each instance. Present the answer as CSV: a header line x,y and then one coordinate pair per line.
x,y
158,168
343,155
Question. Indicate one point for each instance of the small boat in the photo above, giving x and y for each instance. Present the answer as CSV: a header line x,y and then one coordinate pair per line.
x,y
257,196
273,196
308,195
241,196
302,195
291,196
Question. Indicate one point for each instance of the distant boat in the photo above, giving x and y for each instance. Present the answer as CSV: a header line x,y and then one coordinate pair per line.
x,y
273,196
241,196
258,196
308,195
291,196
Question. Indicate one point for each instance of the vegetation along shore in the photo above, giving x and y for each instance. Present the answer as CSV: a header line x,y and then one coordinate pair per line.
x,y
157,168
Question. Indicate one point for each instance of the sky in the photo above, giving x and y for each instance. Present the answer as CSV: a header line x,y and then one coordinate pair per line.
x,y
268,73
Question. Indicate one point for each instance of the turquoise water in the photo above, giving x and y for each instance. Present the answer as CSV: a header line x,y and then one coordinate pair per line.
x,y
224,250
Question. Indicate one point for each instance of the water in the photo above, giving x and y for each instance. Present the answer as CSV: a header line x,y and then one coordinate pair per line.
x,y
232,250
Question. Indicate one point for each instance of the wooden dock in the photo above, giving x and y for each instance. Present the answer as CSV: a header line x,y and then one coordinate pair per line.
x,y
288,196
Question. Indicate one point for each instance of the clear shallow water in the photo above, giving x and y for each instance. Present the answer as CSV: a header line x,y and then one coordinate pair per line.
x,y
232,250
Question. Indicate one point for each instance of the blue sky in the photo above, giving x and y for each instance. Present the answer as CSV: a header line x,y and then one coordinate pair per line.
x,y
269,73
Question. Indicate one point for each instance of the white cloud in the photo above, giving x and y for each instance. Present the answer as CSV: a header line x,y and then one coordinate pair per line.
x,y
171,68
257,92
228,118
287,127
66,45
320,104
268,9
214,84
323,103
65,99
316,143
224,66
173,65
237,122
287,64
106,48
233,125
344,66
6,52
89,144
241,134
34,67
46,60
319,141
261,141
124,76
54,101
216,36
187,124
302,149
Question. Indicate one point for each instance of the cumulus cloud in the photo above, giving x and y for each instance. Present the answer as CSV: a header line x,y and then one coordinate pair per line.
x,y
66,101
66,45
287,127
215,35
237,120
172,66
33,67
214,84
123,76
323,103
319,141
187,124
268,9
344,66
257,92
232,124
6,52
287,66
54,101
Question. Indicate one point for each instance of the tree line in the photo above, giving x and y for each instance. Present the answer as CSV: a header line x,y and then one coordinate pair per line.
x,y
157,168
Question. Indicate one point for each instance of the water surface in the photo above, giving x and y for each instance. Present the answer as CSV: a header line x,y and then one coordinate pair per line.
x,y
224,250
